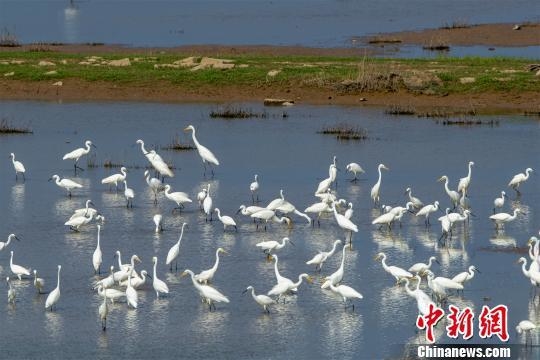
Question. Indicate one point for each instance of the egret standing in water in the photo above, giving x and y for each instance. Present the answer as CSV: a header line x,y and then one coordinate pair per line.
x,y
3,245
355,169
159,285
397,272
39,283
322,256
207,293
463,185
375,190
206,155
129,194
115,178
54,295
499,202
344,223
154,184
18,166
77,153
97,256
175,250
428,209
225,220
254,188
206,276
66,184
18,269
453,195
268,246
207,204
518,179
262,300
178,197
502,218
103,312
347,293
157,222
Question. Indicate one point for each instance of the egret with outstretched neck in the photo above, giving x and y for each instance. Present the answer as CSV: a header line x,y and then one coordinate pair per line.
x,y
453,195
463,185
97,256
518,179
54,296
225,220
78,153
375,190
3,245
66,184
207,293
18,269
206,276
322,256
160,287
175,250
18,166
206,155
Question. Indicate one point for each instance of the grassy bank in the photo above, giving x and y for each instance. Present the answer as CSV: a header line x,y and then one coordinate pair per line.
x,y
348,75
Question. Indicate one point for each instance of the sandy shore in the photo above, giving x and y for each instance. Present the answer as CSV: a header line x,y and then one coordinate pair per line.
x,y
74,89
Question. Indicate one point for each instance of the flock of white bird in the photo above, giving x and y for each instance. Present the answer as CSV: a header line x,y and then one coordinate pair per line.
x,y
123,281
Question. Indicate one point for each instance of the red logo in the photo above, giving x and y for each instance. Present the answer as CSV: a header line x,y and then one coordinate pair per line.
x,y
461,322
493,322
429,320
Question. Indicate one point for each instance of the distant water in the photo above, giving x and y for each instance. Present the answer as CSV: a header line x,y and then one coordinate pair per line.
x,y
319,23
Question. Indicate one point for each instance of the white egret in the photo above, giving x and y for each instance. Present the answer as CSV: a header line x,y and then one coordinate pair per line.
x,y
318,208
332,170
518,179
106,282
344,223
397,272
322,256
131,294
97,256
206,276
336,277
157,218
355,169
349,212
76,222
534,276
11,292
384,219
178,197
207,204
115,178
103,313
3,245
254,188
423,301
54,296
502,218
279,278
421,268
526,326
129,194
18,269
323,186
286,208
457,217
427,210
111,294
137,281
225,220
453,195
205,154
269,215
175,250
347,293
249,210
375,190
39,283
85,210
123,273
66,184
284,287
499,202
261,299
463,185
465,276
77,153
268,246
201,195
18,166
274,204
207,293
159,285
154,184
159,164
416,202
440,284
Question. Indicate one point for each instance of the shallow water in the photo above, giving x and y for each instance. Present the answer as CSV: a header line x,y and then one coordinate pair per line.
x,y
288,154
321,23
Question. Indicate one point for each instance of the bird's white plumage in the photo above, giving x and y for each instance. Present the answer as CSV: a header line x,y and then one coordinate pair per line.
x,y
54,296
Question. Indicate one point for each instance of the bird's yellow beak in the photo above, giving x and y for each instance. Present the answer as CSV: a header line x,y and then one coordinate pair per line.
x,y
186,129
309,279
440,179
375,258
183,274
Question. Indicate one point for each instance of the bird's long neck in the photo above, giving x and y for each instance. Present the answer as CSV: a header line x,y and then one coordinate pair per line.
x,y
87,148
536,250
343,257
446,186
119,261
216,264
99,230
383,262
130,276
471,274
195,138
469,173
195,282
58,279
429,262
299,282
13,159
9,240
57,180
143,149
418,283
11,259
253,294
524,268
218,214
380,175
276,271
409,291
154,272
333,250
527,172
